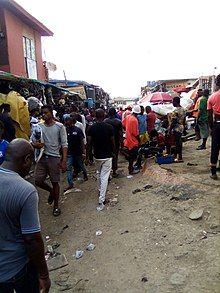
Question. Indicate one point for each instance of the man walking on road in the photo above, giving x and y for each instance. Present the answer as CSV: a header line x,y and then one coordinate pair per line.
x,y
23,266
214,124
55,140
76,151
101,138
130,123
118,135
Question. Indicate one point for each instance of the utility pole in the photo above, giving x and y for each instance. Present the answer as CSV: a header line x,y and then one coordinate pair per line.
x,y
64,73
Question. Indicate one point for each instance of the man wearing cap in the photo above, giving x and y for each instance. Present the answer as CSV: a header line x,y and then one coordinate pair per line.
x,y
130,123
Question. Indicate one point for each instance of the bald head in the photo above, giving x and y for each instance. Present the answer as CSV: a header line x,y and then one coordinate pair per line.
x,y
19,156
100,114
18,148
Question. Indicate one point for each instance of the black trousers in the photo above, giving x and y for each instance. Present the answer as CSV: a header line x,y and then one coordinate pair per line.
x,y
115,160
215,145
132,156
26,281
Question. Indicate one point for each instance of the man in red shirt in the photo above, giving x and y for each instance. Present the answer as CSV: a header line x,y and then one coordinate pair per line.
x,y
213,108
151,118
130,123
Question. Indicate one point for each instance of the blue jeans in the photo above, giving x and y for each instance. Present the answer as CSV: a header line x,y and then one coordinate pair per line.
x,y
74,161
25,281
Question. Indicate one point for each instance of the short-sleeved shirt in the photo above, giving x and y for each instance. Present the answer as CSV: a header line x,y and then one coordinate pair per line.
x,y
75,137
142,122
18,215
132,131
214,103
196,107
3,148
117,126
177,119
151,118
101,134
54,137
80,125
203,116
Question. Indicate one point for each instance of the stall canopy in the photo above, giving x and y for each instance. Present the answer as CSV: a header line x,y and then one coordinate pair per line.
x,y
156,98
5,76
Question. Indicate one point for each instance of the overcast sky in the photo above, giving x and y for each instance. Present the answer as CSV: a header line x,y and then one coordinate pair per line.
x,y
121,44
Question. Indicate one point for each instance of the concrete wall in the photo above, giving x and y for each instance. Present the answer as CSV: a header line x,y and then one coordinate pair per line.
x,y
15,44
38,49
15,30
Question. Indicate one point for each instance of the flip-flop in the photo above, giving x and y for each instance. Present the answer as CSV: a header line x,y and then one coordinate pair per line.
x,y
178,161
56,212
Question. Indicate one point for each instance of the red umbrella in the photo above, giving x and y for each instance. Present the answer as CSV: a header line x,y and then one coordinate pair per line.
x,y
156,98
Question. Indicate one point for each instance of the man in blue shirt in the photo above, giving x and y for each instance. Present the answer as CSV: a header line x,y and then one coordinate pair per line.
x,y
76,150
23,266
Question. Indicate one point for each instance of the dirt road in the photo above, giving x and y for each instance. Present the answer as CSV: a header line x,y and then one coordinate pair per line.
x,y
148,242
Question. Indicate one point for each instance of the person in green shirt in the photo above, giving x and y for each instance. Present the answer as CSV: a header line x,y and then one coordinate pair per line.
x,y
203,119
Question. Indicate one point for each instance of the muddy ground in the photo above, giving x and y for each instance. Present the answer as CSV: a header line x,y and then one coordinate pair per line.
x,y
149,243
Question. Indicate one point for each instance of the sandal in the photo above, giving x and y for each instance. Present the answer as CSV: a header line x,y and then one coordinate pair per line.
x,y
178,161
56,212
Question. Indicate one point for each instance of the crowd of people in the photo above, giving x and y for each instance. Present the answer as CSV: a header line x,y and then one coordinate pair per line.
x,y
71,141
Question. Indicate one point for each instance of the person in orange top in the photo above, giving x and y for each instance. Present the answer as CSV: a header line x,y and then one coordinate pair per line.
x,y
213,108
130,123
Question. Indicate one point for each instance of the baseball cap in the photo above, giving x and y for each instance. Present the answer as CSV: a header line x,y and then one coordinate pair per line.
x,y
136,109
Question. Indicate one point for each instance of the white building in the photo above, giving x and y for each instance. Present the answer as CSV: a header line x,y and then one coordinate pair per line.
x,y
125,101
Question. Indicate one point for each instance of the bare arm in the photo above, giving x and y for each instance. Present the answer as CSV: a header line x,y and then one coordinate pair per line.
x,y
210,118
121,135
64,144
35,250
64,153
199,113
83,148
63,163
113,144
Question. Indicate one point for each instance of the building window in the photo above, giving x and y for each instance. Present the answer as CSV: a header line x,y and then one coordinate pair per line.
x,y
30,57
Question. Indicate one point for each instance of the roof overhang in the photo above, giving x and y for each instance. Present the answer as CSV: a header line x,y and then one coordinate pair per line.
x,y
26,17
